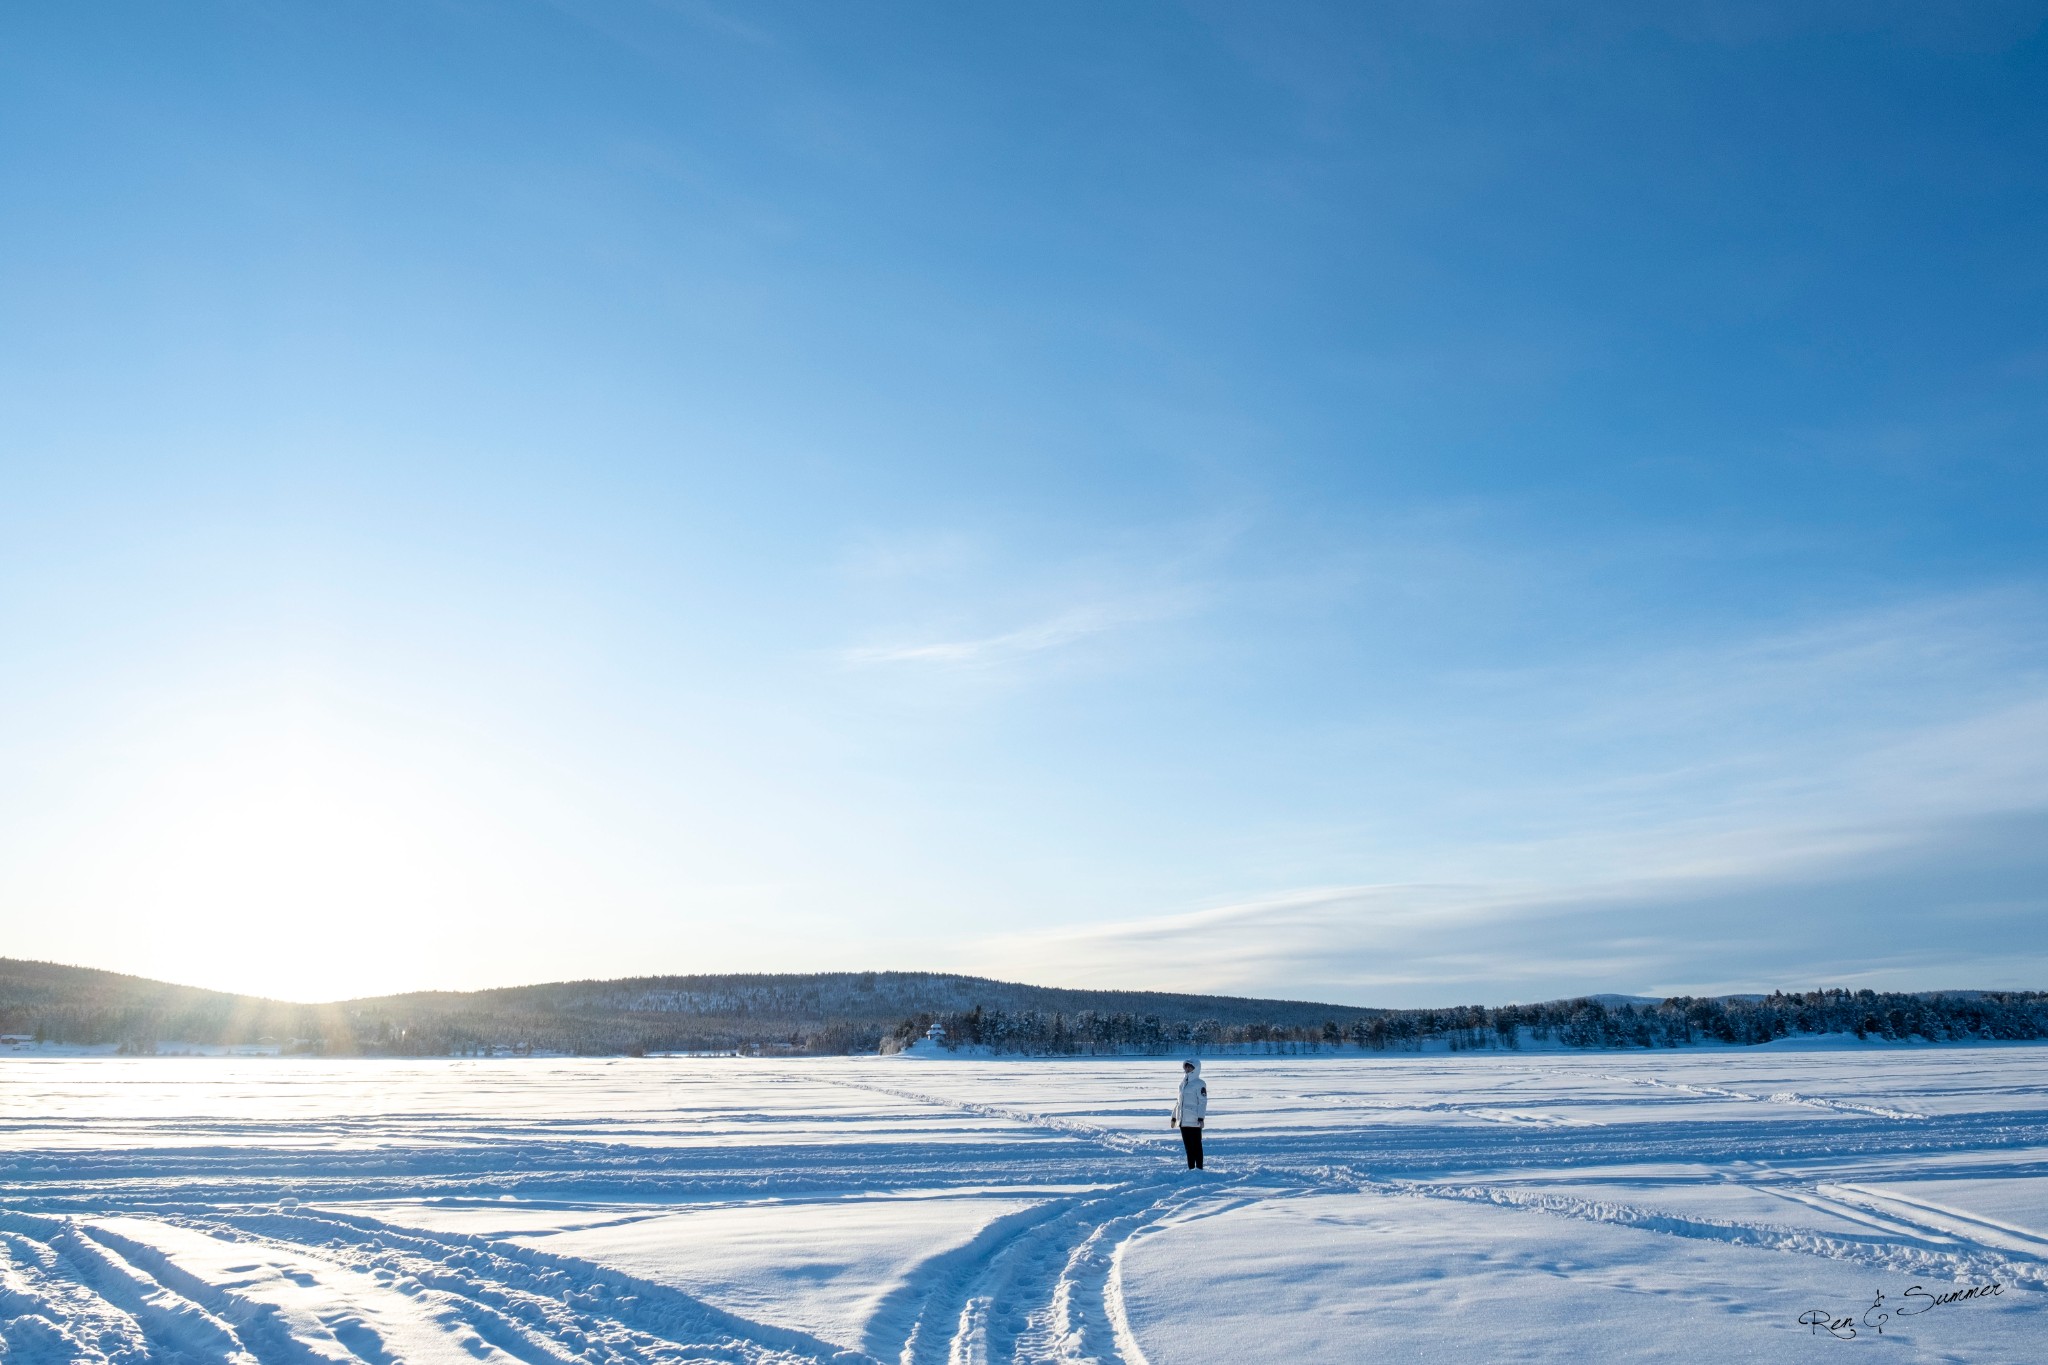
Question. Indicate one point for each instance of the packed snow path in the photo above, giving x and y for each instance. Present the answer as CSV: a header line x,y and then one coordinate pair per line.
x,y
1478,1207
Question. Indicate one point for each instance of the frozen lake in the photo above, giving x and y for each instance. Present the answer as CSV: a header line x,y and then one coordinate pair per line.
x,y
1600,1207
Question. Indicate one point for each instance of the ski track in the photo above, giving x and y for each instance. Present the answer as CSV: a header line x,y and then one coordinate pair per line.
x,y
1776,1097
211,1242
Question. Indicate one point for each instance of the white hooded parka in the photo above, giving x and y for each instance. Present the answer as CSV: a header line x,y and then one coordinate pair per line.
x,y
1191,1106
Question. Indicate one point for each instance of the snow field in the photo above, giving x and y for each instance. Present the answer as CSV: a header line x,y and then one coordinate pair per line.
x,y
1639,1206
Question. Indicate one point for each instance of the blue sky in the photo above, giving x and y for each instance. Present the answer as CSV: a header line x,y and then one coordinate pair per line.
x,y
1401,505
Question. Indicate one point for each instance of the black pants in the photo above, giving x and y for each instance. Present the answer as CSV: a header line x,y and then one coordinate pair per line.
x,y
1191,1138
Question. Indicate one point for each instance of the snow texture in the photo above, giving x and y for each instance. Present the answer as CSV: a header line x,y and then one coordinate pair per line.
x,y
1666,1206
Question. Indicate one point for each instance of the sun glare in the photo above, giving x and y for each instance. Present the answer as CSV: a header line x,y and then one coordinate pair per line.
x,y
296,853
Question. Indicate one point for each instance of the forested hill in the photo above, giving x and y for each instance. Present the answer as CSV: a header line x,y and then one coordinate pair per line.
x,y
811,1012
839,1012
60,1004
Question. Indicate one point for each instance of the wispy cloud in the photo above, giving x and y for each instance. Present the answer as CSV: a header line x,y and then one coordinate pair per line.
x,y
1956,907
1865,802
963,602
1056,632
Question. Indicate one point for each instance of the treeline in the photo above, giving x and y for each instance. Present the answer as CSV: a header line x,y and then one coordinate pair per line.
x,y
47,1002
808,1013
1682,1021
822,1013
834,1013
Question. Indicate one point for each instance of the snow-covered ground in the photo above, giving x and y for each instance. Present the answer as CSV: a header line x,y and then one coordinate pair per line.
x,y
1677,1206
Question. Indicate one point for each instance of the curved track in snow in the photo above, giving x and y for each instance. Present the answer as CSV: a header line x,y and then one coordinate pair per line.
x,y
184,1212
231,1288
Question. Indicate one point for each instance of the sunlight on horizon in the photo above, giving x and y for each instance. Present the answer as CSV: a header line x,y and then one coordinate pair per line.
x,y
293,851
1094,493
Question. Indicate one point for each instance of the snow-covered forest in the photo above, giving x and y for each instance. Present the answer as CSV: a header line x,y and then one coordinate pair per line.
x,y
865,1012
1962,1016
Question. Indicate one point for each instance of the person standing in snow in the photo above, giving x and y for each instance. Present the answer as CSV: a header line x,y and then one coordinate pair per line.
x,y
1190,1107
